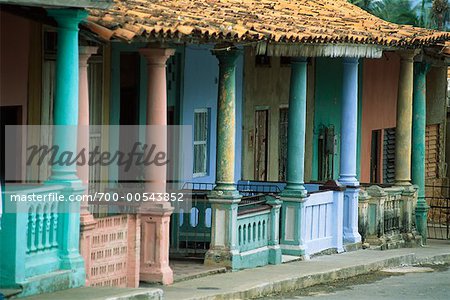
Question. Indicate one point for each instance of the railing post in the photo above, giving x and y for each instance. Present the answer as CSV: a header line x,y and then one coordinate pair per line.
x,y
363,214
274,247
375,226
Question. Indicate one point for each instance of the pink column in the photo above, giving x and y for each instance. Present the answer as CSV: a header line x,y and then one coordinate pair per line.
x,y
83,124
87,221
155,216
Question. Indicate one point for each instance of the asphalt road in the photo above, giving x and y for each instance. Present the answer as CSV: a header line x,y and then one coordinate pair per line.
x,y
381,285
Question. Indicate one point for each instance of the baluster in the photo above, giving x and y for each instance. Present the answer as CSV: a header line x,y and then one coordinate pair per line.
x,y
54,226
32,231
40,227
47,220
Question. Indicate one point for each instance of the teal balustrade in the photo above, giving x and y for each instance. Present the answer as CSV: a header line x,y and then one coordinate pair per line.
x,y
32,239
253,230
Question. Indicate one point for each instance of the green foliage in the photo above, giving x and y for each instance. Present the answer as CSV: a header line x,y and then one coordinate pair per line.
x,y
427,13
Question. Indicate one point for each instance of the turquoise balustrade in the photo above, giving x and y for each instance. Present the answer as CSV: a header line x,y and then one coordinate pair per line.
x,y
253,230
32,239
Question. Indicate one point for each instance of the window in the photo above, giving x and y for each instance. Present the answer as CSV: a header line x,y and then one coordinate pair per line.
x,y
201,128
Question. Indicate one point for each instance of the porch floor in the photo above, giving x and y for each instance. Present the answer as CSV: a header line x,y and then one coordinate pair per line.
x,y
186,269
190,269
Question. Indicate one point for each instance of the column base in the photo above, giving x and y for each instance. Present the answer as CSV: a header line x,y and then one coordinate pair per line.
x,y
155,227
351,233
157,275
421,222
220,258
291,237
294,250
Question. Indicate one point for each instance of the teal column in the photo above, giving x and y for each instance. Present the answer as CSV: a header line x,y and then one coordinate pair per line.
x,y
296,130
418,147
224,198
295,194
65,115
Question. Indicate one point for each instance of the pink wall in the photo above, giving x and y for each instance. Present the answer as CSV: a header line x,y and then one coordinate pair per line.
x,y
379,103
14,51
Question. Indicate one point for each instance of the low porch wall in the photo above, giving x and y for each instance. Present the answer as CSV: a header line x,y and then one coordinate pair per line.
x,y
111,250
258,234
323,222
39,240
386,216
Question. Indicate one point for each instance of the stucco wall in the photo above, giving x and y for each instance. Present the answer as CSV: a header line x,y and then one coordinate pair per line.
x,y
379,102
268,88
328,98
200,88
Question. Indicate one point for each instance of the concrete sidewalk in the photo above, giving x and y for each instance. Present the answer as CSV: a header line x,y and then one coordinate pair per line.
x,y
268,280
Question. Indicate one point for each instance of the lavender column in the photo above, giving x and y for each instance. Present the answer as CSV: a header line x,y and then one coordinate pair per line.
x,y
349,130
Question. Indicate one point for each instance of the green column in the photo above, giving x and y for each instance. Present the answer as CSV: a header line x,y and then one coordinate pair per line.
x,y
404,119
418,149
224,198
296,130
226,121
295,194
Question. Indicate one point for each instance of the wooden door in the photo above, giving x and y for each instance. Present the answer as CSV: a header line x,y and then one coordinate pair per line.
x,y
261,144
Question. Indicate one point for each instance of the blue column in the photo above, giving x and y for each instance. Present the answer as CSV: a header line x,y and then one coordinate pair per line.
x,y
349,130
65,116
295,194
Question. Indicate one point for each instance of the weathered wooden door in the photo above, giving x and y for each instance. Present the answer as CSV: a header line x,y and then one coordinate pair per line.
x,y
261,144
282,143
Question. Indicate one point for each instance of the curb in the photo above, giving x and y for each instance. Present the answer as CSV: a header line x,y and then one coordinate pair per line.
x,y
305,281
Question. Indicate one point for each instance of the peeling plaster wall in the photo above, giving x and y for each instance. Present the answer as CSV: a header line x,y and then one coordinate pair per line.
x,y
268,88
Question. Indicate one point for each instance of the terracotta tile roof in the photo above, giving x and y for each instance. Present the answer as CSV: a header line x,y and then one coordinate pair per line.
x,y
290,21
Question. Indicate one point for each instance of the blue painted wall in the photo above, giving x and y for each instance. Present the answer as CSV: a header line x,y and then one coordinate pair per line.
x,y
200,87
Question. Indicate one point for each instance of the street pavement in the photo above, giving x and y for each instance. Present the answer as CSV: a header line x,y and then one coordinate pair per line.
x,y
415,285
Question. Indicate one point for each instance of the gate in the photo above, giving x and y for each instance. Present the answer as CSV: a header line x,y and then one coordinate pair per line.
x,y
439,213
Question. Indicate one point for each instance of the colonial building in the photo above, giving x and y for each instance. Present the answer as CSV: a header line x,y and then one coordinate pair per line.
x,y
276,93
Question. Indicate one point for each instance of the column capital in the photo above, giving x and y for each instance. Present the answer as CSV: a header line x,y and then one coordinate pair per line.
x,y
421,68
157,56
68,18
84,53
226,55
408,55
